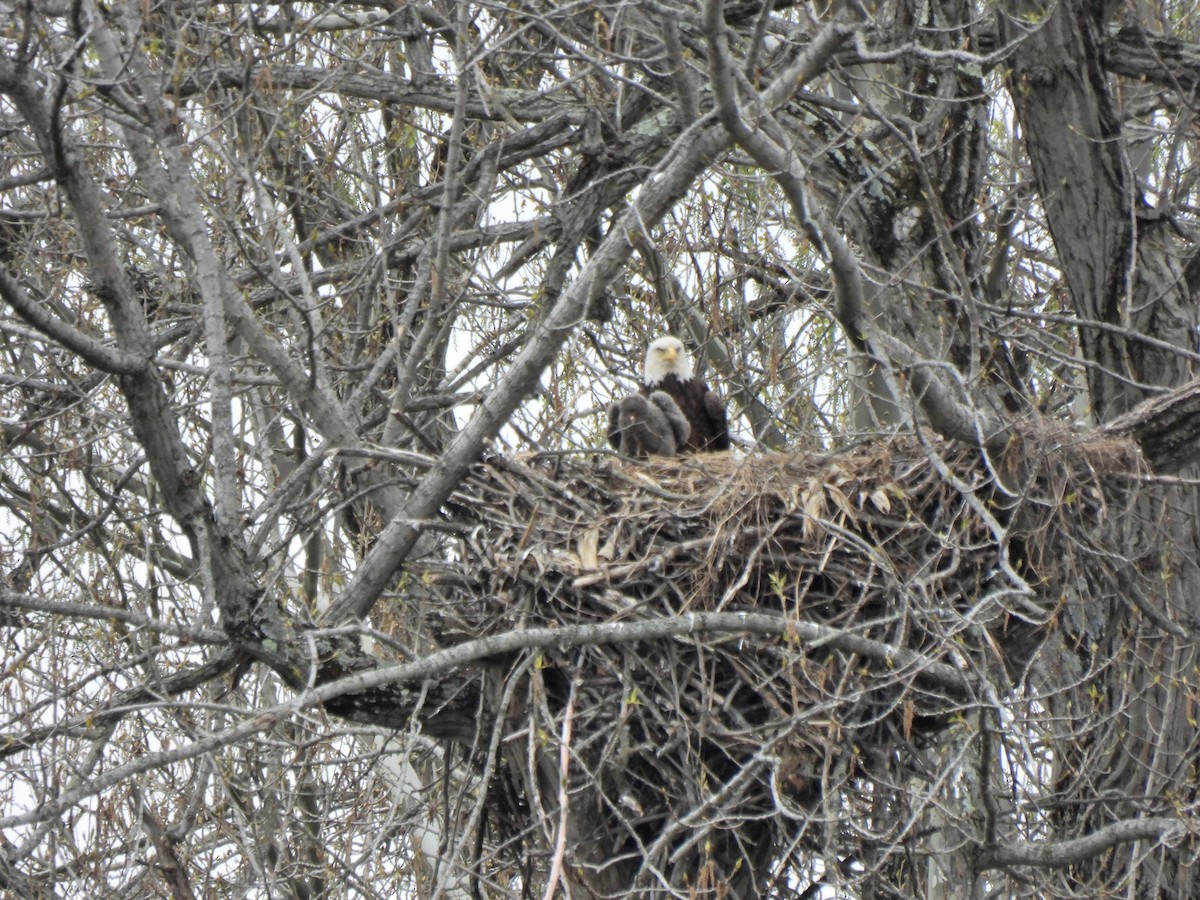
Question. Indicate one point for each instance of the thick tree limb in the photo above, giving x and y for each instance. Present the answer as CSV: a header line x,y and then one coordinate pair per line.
x,y
258,628
1166,428
1057,854
96,352
941,675
1073,135
1162,59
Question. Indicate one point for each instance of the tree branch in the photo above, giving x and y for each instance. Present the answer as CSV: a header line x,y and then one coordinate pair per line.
x,y
522,105
35,603
1162,59
1166,428
96,352
122,704
1057,854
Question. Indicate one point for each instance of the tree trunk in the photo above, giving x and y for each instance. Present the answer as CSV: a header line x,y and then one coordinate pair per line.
x,y
1122,273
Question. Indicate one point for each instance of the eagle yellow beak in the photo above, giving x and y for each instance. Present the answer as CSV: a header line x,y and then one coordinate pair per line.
x,y
671,353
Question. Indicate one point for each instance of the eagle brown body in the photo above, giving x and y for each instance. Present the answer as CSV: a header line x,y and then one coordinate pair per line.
x,y
669,370
640,426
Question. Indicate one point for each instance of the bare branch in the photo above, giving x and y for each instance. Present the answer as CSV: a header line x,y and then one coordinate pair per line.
x,y
1077,850
97,353
33,603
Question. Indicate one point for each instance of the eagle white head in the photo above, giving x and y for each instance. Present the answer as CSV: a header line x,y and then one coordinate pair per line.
x,y
664,357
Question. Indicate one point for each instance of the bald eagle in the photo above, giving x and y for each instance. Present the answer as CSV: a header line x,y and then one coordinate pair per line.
x,y
639,426
669,370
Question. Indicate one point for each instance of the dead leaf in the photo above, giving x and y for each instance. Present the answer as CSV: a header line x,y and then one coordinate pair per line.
x,y
589,553
609,551
840,500
814,507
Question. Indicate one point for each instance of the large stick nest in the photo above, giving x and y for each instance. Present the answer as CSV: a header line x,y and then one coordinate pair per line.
x,y
707,756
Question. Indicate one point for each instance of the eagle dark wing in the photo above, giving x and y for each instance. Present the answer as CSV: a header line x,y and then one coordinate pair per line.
x,y
718,421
